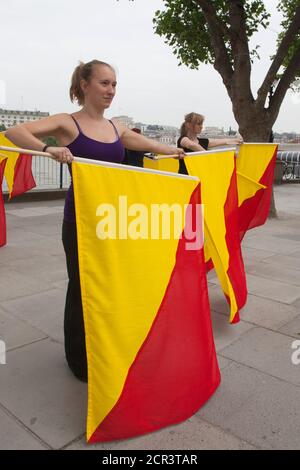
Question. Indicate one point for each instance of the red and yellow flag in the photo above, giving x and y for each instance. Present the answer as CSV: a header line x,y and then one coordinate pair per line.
x,y
165,164
217,174
150,349
18,172
255,173
3,161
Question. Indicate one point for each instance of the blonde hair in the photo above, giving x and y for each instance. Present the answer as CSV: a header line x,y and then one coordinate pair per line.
x,y
191,118
82,72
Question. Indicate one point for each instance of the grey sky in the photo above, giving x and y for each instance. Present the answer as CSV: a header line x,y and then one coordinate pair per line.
x,y
42,42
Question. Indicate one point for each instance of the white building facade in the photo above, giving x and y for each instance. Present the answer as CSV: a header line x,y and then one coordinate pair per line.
x,y
9,117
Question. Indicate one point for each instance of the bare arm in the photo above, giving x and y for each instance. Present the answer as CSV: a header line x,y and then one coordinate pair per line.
x,y
28,135
133,141
217,142
191,145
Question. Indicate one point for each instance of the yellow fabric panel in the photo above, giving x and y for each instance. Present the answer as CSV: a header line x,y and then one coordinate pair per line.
x,y
2,157
167,164
12,158
252,162
215,171
247,188
123,281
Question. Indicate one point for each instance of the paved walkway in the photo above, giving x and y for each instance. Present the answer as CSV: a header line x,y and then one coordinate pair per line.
x,y
257,405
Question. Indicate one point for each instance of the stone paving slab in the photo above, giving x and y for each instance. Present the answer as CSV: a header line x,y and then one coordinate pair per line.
x,y
193,434
292,328
14,436
283,261
44,267
276,272
44,229
258,310
226,333
271,243
35,211
267,351
256,407
44,311
296,254
61,285
38,388
30,249
14,285
269,288
255,253
19,236
16,333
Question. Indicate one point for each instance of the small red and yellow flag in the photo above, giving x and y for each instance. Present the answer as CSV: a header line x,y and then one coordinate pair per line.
x,y
217,174
18,172
255,173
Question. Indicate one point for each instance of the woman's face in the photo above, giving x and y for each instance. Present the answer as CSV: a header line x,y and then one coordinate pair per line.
x,y
198,126
195,126
100,89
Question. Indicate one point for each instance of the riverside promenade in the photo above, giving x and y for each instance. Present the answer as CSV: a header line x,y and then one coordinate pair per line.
x,y
42,406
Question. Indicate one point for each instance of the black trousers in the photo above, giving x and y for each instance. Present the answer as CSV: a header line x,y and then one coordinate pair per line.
x,y
73,322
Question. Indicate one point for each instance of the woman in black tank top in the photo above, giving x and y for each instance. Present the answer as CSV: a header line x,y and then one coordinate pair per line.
x,y
190,142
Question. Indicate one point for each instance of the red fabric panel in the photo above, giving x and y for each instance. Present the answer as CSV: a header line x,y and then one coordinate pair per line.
x,y
254,211
23,178
176,370
236,269
2,210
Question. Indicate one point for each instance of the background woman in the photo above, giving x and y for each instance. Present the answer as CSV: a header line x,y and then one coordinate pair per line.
x,y
190,141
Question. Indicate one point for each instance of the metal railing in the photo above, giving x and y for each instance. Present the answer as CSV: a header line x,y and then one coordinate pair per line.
x,y
290,161
49,174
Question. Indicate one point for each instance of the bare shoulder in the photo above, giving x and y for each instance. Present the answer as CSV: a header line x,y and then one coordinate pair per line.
x,y
120,127
54,125
62,120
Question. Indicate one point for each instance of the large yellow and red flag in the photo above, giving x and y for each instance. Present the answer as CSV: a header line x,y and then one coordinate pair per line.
x,y
18,172
3,161
217,173
150,348
255,173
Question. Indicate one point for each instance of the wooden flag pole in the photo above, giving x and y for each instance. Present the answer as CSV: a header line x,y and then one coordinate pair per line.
x,y
27,152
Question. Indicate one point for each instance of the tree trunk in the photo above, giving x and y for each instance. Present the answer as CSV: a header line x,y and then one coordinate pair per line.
x,y
256,128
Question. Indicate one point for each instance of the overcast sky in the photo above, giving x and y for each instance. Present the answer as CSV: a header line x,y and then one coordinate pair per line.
x,y
42,42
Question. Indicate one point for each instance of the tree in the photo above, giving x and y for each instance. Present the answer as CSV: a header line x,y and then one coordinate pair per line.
x,y
2,128
218,32
51,141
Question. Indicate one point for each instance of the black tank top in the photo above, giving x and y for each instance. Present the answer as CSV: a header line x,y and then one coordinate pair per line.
x,y
182,167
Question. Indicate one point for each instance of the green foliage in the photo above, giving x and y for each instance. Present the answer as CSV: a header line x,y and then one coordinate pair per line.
x,y
2,128
184,28
287,7
51,141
